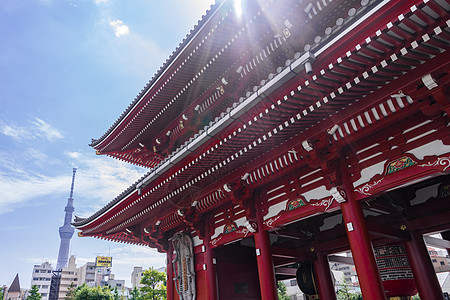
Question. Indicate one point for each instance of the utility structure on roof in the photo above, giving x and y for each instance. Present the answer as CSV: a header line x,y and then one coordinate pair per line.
x,y
282,132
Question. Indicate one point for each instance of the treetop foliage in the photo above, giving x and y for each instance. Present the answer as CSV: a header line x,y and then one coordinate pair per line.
x,y
34,293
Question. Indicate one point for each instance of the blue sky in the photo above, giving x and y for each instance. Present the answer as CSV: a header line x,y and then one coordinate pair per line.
x,y
68,69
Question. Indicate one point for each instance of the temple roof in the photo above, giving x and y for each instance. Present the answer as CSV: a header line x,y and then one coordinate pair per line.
x,y
190,91
156,76
262,130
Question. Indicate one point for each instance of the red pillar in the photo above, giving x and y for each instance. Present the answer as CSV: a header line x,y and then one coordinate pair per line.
x,y
323,277
422,268
170,287
211,277
264,260
170,283
358,237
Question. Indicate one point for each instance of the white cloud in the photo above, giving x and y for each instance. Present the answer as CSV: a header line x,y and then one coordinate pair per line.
x,y
120,29
131,255
37,128
46,130
98,180
74,155
17,133
101,1
15,191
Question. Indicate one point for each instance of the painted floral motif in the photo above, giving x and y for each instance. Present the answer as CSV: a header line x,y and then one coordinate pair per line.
x,y
443,162
243,231
325,202
230,228
293,204
444,191
366,189
271,221
399,164
216,241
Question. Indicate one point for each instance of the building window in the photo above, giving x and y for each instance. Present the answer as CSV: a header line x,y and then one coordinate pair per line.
x,y
442,263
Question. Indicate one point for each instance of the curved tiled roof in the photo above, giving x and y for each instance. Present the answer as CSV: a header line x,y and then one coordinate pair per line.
x,y
161,70
315,43
322,82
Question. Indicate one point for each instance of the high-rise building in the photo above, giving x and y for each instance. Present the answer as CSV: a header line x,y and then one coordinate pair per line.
x,y
136,277
113,283
69,276
87,274
42,276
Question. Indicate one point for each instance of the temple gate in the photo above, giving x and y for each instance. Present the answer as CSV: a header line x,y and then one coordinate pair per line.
x,y
284,134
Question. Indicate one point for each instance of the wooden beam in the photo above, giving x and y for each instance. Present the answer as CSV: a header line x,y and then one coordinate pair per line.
x,y
286,271
287,232
381,230
292,253
341,259
436,242
282,262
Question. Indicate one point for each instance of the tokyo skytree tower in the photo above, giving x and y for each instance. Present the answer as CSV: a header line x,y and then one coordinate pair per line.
x,y
66,231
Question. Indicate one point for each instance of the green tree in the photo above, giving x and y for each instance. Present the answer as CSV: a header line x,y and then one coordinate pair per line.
x,y
116,295
345,294
135,294
71,292
85,292
154,285
34,293
282,291
415,297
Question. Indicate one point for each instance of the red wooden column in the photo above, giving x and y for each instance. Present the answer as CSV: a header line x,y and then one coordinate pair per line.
x,y
211,277
170,287
360,245
323,276
265,262
422,268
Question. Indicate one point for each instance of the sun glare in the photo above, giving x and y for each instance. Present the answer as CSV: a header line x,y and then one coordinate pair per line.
x,y
238,7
